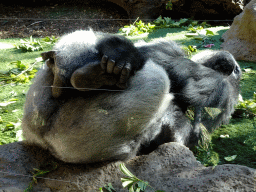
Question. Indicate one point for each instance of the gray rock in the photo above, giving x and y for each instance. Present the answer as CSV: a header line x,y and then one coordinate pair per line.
x,y
240,39
171,167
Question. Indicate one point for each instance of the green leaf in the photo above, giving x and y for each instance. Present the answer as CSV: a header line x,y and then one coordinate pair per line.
x,y
130,188
209,32
142,185
176,24
192,48
126,171
126,181
183,21
231,158
10,125
194,23
109,188
159,20
168,20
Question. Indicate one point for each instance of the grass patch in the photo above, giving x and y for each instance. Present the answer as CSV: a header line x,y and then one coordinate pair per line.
x,y
241,142
11,115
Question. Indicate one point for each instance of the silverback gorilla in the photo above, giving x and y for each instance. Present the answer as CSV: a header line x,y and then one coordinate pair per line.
x,y
99,97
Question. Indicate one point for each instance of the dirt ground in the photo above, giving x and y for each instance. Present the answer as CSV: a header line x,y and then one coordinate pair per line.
x,y
18,21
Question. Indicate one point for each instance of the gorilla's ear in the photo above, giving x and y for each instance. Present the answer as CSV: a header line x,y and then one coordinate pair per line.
x,y
50,58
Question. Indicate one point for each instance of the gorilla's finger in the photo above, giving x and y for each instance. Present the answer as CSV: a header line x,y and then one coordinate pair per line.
x,y
110,66
103,62
125,73
118,68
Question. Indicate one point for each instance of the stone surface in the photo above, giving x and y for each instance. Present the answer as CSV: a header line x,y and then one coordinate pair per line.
x,y
240,39
207,9
144,9
172,167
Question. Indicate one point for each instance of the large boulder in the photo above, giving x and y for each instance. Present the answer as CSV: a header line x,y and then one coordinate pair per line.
x,y
240,39
171,167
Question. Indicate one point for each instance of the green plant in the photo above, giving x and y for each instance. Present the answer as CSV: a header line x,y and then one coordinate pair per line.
x,y
207,42
107,188
139,27
22,73
167,22
168,5
29,45
194,26
9,126
40,172
50,40
136,28
188,50
205,154
247,108
132,183
230,158
204,151
206,39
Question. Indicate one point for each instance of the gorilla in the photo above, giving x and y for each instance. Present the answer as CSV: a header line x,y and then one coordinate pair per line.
x,y
99,97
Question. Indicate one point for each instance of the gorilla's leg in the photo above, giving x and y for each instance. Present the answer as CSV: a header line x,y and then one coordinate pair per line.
x,y
110,125
225,87
210,79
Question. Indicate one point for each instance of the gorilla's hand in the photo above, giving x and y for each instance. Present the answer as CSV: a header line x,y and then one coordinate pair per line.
x,y
122,70
120,58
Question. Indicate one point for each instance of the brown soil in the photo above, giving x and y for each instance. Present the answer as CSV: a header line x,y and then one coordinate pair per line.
x,y
18,21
